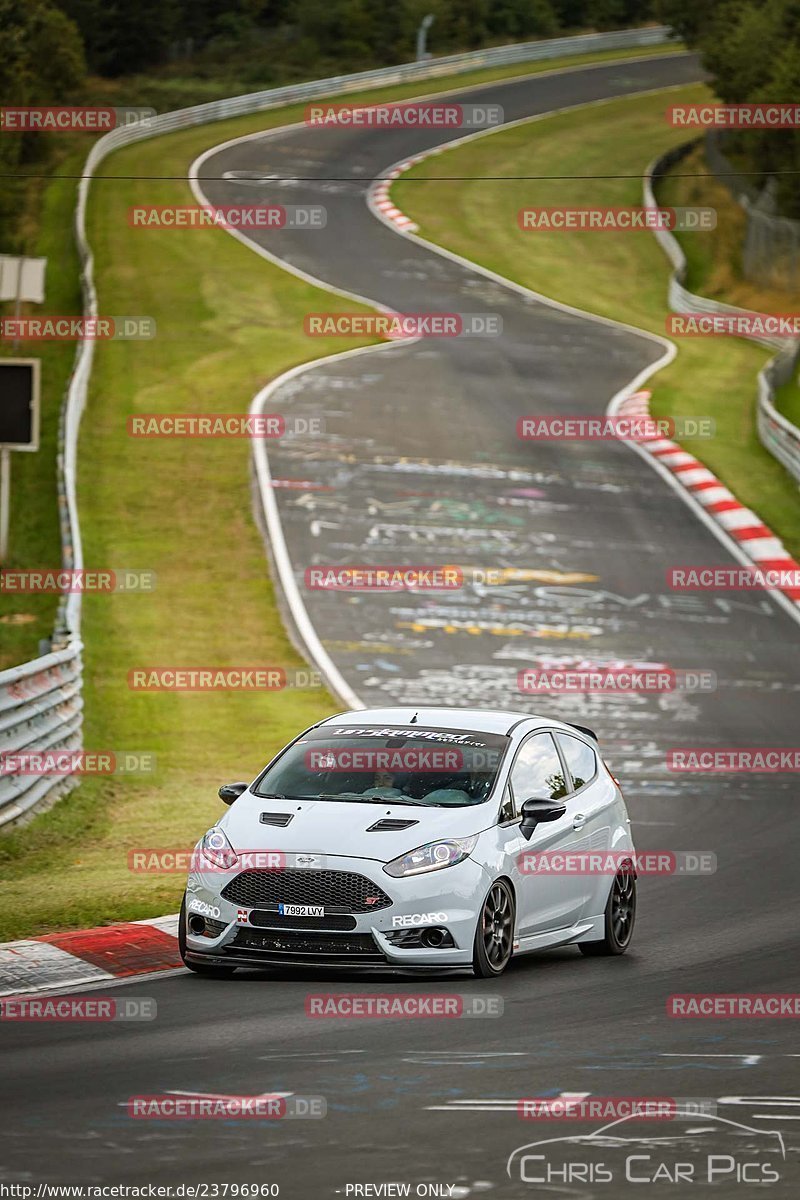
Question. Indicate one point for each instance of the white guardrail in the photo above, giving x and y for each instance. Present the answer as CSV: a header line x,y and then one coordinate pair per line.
x,y
40,701
41,709
777,434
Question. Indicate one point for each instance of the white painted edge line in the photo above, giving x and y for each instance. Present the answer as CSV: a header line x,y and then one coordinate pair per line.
x,y
286,574
280,550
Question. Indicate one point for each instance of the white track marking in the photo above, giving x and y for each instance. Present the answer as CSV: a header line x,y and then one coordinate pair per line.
x,y
748,1060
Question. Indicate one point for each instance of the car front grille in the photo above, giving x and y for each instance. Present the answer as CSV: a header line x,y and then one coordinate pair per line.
x,y
274,920
342,891
296,944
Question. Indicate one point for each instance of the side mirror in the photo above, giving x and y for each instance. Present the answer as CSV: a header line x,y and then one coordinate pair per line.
x,y
232,791
536,810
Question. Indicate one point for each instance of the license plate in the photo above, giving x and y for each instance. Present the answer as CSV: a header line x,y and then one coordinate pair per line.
x,y
301,910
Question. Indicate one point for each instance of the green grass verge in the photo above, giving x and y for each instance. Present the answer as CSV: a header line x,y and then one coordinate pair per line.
x,y
227,322
619,275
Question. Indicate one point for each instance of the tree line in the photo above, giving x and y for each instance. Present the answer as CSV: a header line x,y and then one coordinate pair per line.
x,y
120,37
751,49
49,49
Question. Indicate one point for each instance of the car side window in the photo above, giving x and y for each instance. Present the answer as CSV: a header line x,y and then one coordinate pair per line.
x,y
581,759
537,771
506,813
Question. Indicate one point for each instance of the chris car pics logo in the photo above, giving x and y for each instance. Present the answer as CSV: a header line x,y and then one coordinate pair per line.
x,y
713,1151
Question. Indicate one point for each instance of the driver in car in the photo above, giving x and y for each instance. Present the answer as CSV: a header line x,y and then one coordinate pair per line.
x,y
456,789
384,786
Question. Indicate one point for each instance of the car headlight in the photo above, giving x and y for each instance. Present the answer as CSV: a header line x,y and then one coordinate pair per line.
x,y
432,857
216,848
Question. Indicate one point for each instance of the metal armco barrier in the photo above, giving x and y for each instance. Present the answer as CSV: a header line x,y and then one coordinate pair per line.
x,y
776,432
40,702
778,435
771,251
41,709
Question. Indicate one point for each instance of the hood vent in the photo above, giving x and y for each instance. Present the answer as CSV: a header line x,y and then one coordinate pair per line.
x,y
279,819
389,824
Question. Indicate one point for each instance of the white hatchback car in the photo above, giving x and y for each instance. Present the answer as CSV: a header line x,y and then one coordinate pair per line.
x,y
430,838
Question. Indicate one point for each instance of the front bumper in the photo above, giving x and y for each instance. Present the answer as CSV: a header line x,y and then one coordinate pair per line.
x,y
449,899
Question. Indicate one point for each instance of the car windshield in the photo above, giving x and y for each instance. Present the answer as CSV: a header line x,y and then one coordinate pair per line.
x,y
372,764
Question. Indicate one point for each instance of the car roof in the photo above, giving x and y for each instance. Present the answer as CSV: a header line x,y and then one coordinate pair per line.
x,y
483,720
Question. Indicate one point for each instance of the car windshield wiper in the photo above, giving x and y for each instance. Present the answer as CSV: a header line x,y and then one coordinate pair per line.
x,y
318,796
356,799
280,796
391,800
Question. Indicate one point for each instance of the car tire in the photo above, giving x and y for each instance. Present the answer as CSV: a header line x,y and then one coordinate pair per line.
x,y
494,932
620,917
210,970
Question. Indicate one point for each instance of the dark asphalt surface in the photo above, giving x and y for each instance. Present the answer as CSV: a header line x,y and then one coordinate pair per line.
x,y
425,467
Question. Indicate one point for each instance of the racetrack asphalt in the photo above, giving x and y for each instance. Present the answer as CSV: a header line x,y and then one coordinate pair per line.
x,y
424,466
